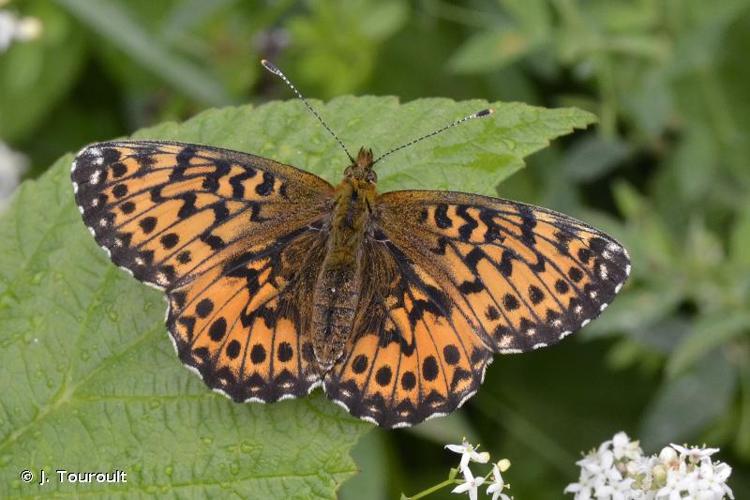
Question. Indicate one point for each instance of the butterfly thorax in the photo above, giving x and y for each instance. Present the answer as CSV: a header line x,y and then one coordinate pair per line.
x,y
338,286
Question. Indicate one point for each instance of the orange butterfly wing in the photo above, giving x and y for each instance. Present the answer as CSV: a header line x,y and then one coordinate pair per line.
x,y
462,276
223,233
412,354
244,325
237,241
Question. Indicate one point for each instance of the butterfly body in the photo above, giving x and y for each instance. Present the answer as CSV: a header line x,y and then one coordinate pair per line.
x,y
338,286
278,282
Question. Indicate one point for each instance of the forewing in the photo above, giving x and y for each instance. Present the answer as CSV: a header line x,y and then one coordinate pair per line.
x,y
168,212
524,276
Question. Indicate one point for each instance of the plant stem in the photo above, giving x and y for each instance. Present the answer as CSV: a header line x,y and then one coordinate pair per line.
x,y
432,489
439,486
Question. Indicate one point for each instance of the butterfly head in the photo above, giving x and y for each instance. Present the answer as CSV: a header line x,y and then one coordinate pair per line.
x,y
361,169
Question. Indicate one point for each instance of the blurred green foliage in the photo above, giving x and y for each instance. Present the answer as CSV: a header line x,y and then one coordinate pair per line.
x,y
666,171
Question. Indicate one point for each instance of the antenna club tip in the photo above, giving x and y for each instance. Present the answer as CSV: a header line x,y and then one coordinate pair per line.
x,y
485,112
270,66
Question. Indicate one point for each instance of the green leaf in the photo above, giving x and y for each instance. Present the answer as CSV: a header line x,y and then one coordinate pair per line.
x,y
535,16
341,39
524,28
114,22
96,385
593,157
695,163
708,333
653,306
740,238
371,455
650,101
189,14
743,431
474,157
490,50
35,75
685,404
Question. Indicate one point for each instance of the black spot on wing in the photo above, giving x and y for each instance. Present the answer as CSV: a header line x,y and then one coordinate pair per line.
x,y
266,187
469,225
441,216
238,189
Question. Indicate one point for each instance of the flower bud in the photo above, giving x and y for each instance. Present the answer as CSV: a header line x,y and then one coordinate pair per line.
x,y
667,455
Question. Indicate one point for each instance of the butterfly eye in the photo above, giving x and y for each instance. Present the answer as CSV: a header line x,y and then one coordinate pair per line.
x,y
348,171
372,176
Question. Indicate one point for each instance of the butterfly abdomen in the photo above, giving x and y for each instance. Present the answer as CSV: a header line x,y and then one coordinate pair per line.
x,y
337,289
334,305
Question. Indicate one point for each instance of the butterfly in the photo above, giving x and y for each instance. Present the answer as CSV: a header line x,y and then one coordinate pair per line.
x,y
278,282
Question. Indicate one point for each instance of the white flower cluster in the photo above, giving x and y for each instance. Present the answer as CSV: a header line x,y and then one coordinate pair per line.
x,y
471,483
618,470
14,28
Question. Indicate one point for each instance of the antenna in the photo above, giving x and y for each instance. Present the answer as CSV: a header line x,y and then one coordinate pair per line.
x,y
478,114
276,71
